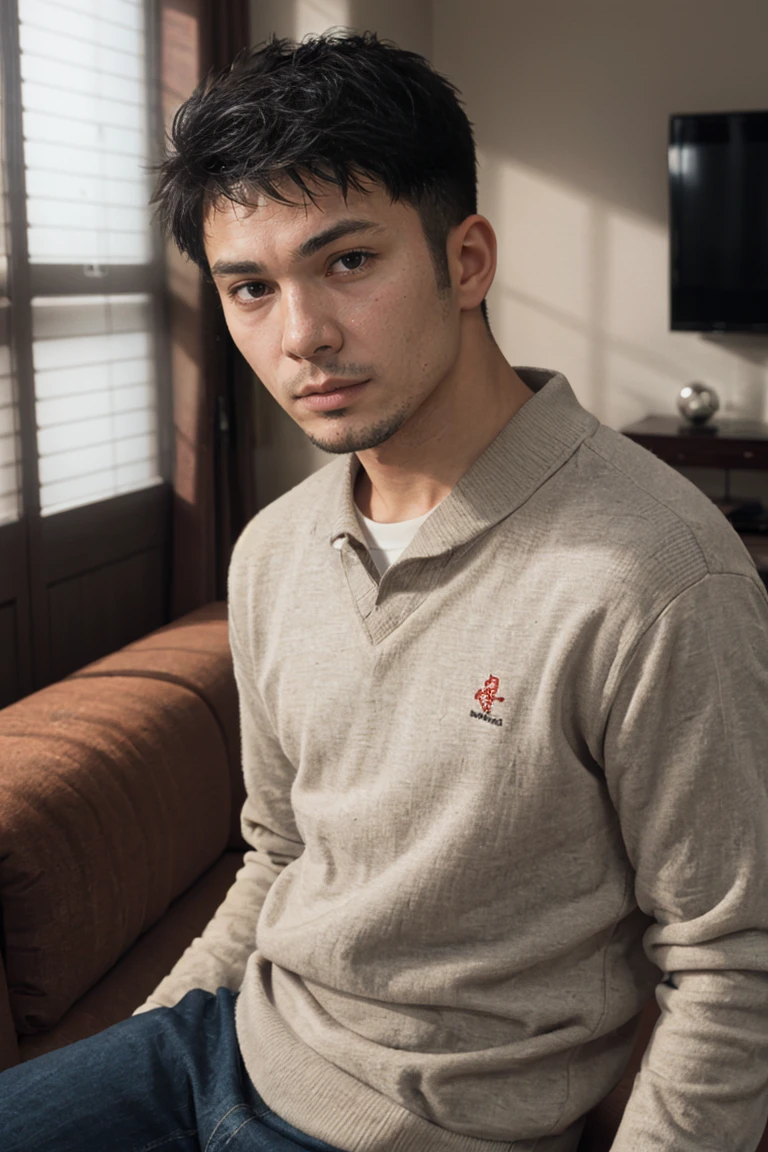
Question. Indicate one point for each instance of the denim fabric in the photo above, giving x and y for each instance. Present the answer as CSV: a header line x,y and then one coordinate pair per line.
x,y
169,1079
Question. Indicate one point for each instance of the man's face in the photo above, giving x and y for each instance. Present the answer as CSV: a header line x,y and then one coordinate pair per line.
x,y
318,298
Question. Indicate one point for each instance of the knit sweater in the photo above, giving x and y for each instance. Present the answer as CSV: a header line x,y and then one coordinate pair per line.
x,y
495,798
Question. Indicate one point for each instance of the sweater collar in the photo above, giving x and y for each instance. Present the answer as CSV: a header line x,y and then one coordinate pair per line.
x,y
534,444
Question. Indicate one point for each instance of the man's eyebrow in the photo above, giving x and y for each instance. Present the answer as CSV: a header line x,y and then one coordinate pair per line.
x,y
330,235
303,252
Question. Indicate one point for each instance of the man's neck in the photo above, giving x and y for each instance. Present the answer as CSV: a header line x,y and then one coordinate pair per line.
x,y
403,480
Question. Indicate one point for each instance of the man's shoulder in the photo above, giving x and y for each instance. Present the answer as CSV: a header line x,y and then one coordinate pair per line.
x,y
658,517
293,517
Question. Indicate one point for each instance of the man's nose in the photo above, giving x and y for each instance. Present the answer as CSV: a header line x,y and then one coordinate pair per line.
x,y
308,328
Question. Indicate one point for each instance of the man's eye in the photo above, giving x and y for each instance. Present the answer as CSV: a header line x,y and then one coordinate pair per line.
x,y
253,291
354,261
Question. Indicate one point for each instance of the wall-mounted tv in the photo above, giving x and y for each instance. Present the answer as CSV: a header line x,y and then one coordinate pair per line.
x,y
718,216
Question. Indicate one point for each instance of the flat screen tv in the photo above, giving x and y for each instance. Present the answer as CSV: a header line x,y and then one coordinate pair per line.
x,y
718,215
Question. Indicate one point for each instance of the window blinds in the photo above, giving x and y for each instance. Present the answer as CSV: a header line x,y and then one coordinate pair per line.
x,y
9,440
84,96
94,397
86,149
9,451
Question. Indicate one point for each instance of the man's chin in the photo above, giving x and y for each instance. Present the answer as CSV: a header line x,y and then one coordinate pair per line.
x,y
357,439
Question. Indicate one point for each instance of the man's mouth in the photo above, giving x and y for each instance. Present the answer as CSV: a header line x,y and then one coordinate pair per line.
x,y
331,394
332,384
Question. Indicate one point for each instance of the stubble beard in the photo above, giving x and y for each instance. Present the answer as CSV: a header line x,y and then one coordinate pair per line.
x,y
360,440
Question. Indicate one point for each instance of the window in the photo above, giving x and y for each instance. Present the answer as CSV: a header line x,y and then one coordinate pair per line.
x,y
82,466
86,150
95,398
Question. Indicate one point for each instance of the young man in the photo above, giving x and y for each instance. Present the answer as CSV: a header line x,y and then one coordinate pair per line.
x,y
502,678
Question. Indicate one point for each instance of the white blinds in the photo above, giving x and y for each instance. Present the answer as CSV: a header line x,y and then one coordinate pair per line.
x,y
84,96
9,440
95,398
9,455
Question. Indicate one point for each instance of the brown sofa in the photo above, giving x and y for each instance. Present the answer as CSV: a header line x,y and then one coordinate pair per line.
x,y
120,798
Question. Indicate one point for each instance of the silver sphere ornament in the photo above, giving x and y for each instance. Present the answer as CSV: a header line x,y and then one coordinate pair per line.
x,y
697,402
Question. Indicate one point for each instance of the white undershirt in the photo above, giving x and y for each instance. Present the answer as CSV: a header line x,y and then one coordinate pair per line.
x,y
386,542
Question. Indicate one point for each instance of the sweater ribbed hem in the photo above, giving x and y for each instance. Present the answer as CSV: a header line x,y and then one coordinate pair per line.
x,y
325,1102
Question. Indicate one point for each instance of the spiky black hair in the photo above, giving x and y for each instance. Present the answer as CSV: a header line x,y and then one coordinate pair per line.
x,y
339,109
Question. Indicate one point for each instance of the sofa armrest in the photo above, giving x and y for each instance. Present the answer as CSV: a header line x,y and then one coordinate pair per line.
x,y
194,653
114,798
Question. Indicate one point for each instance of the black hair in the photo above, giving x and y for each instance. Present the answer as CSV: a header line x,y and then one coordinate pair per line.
x,y
336,108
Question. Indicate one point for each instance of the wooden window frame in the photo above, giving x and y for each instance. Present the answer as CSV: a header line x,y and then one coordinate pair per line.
x,y
78,583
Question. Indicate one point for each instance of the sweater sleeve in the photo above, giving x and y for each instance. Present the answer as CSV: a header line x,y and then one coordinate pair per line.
x,y
217,958
686,761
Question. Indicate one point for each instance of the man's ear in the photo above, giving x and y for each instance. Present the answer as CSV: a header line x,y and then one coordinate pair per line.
x,y
472,260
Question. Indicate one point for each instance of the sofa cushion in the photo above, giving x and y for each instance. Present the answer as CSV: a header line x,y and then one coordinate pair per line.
x,y
114,798
137,974
194,652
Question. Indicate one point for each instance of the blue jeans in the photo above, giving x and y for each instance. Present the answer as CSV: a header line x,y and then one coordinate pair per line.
x,y
170,1079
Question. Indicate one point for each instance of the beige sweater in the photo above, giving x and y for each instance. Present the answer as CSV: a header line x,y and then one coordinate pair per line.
x,y
493,797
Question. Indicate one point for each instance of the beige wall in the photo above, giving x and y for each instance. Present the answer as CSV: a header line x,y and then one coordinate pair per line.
x,y
284,456
570,102
407,22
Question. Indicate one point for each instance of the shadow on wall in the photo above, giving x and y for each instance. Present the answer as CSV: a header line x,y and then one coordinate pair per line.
x,y
582,92
583,283
571,104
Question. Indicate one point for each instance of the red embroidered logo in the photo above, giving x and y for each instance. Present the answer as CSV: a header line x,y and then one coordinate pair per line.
x,y
487,694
